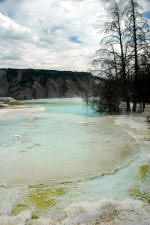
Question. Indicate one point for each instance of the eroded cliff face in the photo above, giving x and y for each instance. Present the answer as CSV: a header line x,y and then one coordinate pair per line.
x,y
32,84
3,83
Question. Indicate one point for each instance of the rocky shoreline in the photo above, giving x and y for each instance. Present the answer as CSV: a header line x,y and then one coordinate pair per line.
x,y
5,101
103,212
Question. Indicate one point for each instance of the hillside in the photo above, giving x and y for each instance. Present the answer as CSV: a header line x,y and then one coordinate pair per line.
x,y
25,84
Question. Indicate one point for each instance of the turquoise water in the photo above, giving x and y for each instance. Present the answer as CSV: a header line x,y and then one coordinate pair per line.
x,y
67,105
67,153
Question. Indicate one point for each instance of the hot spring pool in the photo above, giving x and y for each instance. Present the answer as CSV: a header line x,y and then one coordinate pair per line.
x,y
65,153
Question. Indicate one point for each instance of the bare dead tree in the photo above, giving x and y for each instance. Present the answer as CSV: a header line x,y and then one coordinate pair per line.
x,y
111,57
137,32
123,57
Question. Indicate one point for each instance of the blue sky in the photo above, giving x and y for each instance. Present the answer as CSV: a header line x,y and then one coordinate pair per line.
x,y
53,34
147,14
74,39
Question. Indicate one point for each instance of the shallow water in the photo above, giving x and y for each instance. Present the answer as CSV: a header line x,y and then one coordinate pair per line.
x,y
65,105
53,158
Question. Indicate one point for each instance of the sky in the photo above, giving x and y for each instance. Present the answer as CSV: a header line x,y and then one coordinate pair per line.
x,y
53,34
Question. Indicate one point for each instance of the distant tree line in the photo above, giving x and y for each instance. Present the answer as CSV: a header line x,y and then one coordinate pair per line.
x,y
123,61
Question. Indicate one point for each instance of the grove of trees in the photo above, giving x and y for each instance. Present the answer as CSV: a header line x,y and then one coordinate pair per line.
x,y
123,61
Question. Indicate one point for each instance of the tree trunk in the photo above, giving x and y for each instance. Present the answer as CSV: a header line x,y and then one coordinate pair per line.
x,y
135,55
143,106
134,104
128,104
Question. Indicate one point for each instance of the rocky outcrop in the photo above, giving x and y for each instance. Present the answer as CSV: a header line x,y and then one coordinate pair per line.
x,y
7,100
25,84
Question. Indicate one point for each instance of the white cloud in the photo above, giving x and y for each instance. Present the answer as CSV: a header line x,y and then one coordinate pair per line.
x,y
11,30
51,34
